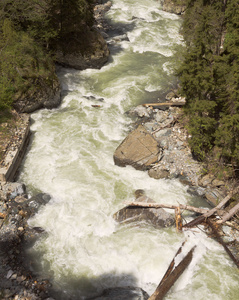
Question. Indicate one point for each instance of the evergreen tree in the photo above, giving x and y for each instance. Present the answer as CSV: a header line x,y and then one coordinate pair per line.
x,y
210,78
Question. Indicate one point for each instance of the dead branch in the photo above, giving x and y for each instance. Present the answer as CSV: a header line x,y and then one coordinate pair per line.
x,y
219,239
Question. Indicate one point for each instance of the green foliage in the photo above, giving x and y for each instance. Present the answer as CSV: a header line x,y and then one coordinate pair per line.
x,y
209,77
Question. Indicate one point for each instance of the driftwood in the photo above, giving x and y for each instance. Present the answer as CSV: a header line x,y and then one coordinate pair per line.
x,y
179,103
229,214
219,239
159,205
172,274
178,219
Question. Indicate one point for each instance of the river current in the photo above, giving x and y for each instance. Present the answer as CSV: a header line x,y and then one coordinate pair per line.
x,y
71,158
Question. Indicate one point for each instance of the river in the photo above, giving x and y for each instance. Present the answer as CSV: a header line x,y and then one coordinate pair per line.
x,y
71,158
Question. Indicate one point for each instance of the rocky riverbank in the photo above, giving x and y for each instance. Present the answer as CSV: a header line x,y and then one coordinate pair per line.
x,y
159,144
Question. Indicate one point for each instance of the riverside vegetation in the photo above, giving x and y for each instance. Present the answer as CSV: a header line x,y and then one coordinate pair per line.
x,y
51,45
209,80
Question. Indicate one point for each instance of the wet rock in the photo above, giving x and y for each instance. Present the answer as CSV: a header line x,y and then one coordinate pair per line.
x,y
39,199
139,150
157,217
171,7
122,293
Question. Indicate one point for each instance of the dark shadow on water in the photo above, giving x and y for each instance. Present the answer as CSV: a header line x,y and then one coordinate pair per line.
x,y
71,287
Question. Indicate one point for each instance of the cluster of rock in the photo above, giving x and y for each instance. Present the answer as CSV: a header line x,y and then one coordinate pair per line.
x,y
159,145
17,280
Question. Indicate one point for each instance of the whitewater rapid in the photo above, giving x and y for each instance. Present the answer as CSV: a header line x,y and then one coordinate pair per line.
x,y
71,158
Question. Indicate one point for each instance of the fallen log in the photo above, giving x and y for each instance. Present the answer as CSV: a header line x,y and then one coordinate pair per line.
x,y
229,214
171,276
171,266
159,205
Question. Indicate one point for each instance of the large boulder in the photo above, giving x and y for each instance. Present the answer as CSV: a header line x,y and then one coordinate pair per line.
x,y
157,217
139,149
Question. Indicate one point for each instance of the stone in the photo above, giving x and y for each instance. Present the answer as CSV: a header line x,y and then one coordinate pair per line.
x,y
163,132
159,173
213,196
46,96
139,149
217,183
196,191
140,111
206,180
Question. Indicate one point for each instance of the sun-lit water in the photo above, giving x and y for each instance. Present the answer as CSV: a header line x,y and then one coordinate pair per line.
x,y
71,158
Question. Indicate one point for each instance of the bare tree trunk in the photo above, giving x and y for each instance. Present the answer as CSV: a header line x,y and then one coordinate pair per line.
x,y
159,205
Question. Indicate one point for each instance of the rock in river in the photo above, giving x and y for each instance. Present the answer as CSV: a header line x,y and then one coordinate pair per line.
x,y
139,149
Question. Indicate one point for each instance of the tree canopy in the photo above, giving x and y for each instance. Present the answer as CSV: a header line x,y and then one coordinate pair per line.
x,y
209,77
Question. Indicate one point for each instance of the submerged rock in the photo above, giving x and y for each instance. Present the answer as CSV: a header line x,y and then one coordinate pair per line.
x,y
139,150
122,293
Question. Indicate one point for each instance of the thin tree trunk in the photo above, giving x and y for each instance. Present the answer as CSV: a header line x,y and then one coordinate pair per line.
x,y
219,239
159,205
230,214
210,212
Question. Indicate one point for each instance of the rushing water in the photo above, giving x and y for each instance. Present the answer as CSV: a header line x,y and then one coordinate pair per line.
x,y
71,158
